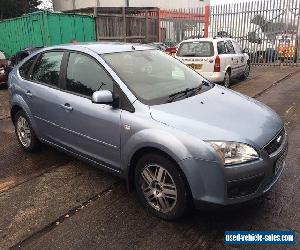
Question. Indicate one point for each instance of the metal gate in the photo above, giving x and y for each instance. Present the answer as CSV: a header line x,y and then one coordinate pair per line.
x,y
179,24
269,30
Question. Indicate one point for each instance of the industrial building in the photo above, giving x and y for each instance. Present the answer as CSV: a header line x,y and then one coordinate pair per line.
x,y
68,5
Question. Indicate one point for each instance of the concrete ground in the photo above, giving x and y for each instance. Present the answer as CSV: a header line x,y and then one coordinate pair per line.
x,y
49,200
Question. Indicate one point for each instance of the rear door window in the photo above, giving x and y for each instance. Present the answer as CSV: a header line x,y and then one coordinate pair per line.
x,y
47,69
196,49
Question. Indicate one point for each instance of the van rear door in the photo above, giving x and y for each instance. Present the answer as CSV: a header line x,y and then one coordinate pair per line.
x,y
198,55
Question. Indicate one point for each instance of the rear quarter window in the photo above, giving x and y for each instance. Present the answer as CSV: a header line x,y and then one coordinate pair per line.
x,y
221,48
196,49
24,70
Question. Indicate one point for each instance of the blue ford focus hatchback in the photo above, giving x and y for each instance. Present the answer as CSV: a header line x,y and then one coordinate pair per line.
x,y
136,112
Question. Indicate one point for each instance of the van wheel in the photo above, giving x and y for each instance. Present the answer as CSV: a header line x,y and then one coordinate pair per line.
x,y
227,79
25,133
161,187
246,72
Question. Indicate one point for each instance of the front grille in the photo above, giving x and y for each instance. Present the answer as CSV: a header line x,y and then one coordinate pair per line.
x,y
275,144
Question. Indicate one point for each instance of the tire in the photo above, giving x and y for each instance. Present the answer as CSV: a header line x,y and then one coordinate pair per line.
x,y
227,79
246,72
161,187
25,133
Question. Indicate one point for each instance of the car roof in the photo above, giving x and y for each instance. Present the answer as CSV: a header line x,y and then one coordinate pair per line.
x,y
105,47
209,39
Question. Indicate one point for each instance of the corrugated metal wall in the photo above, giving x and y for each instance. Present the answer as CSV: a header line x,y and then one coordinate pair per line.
x,y
44,29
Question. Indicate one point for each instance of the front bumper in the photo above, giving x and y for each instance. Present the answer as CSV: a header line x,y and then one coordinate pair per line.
x,y
213,184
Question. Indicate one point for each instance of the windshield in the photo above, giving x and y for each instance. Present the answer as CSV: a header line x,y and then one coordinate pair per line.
x,y
153,75
196,49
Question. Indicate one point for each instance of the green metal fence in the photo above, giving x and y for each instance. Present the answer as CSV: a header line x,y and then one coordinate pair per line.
x,y
45,29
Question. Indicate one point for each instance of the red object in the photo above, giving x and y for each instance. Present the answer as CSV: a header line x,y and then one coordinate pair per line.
x,y
217,67
171,50
2,73
206,19
171,15
177,14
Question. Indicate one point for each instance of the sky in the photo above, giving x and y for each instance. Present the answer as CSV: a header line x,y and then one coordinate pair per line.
x,y
46,4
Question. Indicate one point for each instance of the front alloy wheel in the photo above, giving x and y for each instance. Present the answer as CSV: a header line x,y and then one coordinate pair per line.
x,y
161,186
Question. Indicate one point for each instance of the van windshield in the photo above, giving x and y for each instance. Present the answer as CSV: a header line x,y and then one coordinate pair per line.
x,y
196,49
153,75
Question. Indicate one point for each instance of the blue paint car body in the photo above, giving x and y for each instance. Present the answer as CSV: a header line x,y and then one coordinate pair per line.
x,y
110,137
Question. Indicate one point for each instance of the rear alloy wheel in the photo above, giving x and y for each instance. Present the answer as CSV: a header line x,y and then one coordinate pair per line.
x,y
227,79
25,133
160,187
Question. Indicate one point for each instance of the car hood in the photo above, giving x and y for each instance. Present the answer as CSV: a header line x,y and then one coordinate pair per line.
x,y
221,114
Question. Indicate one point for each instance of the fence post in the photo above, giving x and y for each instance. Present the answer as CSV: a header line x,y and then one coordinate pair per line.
x,y
206,19
124,24
147,27
96,23
158,24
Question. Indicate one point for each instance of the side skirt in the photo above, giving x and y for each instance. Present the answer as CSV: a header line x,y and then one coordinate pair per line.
x,y
101,165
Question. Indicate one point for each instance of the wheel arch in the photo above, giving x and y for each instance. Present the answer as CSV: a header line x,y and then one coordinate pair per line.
x,y
17,104
229,69
147,150
14,110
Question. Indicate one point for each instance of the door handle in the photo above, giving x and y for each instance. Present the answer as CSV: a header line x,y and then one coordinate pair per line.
x,y
29,94
66,107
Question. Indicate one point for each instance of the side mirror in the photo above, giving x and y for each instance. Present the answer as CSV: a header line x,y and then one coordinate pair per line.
x,y
106,97
102,97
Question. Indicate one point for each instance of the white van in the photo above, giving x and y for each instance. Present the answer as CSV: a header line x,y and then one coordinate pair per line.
x,y
217,59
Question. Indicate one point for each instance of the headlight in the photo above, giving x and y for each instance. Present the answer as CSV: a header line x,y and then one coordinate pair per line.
x,y
234,153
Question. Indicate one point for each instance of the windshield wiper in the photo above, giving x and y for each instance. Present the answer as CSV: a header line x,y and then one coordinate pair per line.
x,y
185,93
